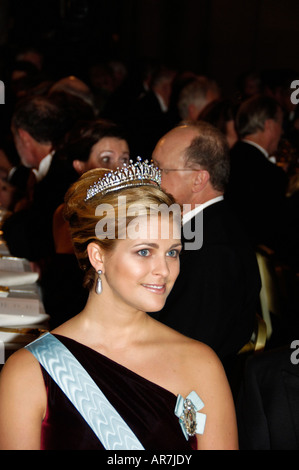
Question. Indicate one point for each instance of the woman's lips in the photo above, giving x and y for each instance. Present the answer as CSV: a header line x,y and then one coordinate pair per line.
x,y
156,288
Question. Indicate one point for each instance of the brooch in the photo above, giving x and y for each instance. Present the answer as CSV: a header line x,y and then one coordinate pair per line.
x,y
190,420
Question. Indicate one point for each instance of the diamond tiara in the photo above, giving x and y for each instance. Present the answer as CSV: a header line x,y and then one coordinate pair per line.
x,y
135,174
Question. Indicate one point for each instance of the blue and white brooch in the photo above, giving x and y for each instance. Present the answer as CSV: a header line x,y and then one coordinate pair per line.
x,y
186,410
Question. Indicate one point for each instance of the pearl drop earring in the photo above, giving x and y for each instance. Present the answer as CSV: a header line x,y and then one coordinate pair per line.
x,y
99,283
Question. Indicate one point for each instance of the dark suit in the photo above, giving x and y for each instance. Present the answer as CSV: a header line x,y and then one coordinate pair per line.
x,y
268,405
215,297
256,192
146,124
28,232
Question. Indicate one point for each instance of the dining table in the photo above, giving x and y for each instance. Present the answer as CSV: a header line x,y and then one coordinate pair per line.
x,y
22,314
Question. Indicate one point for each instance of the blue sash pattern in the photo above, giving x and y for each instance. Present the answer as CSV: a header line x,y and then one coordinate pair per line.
x,y
82,391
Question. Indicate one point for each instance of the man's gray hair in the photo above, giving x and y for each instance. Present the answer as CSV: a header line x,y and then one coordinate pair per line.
x,y
211,152
195,93
253,113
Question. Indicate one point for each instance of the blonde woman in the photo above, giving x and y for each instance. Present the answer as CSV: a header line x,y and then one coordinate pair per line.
x,y
153,388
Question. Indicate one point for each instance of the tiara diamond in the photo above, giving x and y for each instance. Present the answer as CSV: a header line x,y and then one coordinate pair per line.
x,y
135,174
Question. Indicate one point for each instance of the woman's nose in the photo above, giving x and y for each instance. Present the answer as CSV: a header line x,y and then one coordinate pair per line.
x,y
161,266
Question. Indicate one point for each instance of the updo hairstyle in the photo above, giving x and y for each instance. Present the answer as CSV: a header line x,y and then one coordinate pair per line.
x,y
82,218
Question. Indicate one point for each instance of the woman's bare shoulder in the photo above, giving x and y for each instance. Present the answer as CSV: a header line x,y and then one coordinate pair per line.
x,y
186,346
193,357
23,402
20,366
200,359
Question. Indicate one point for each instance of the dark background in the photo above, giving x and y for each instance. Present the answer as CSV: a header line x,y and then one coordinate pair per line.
x,y
220,38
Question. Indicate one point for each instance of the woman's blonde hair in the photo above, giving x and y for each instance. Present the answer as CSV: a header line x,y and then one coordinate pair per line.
x,y
83,219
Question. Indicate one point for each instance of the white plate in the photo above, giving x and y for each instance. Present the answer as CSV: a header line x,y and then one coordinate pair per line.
x,y
11,278
22,320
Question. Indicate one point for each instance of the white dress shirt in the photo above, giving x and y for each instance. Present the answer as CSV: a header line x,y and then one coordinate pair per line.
x,y
43,168
271,159
199,207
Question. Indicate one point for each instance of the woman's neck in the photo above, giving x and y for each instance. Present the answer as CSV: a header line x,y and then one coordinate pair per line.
x,y
108,324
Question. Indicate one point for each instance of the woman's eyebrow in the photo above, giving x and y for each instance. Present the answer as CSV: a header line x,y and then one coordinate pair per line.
x,y
155,245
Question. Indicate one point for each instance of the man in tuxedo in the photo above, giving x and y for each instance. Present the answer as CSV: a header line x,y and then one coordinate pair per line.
x,y
149,116
215,297
257,186
38,125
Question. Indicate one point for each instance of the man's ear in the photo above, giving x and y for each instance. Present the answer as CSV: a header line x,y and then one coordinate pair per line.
x,y
201,178
267,124
79,166
96,256
24,136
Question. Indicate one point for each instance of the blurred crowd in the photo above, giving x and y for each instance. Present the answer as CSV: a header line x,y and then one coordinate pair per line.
x,y
56,127
65,119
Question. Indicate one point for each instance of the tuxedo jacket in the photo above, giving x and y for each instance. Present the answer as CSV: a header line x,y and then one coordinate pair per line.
x,y
268,407
215,296
28,232
146,124
256,192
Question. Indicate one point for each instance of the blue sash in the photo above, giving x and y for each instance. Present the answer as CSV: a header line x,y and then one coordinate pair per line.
x,y
82,391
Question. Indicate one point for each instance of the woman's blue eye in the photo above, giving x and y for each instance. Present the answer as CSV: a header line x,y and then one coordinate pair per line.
x,y
143,252
173,253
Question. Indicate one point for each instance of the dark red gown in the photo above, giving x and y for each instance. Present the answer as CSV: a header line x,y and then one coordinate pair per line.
x,y
147,408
